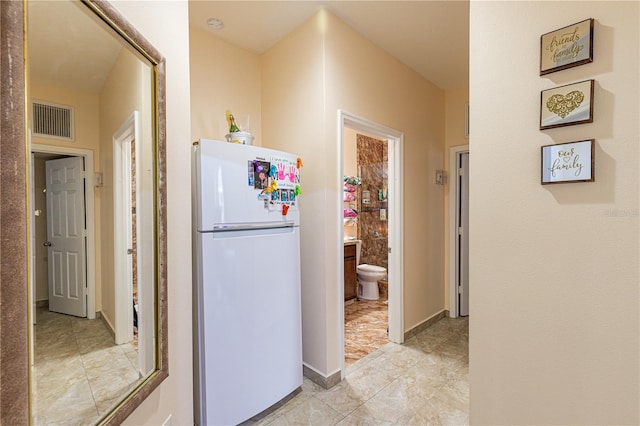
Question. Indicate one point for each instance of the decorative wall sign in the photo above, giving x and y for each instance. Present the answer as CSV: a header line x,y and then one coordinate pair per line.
x,y
567,47
567,105
568,162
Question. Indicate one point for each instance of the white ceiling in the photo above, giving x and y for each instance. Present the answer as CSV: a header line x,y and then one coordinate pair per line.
x,y
431,37
68,49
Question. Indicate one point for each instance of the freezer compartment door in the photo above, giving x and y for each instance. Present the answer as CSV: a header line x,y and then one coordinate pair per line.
x,y
229,184
250,317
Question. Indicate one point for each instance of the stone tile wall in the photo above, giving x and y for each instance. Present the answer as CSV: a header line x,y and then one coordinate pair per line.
x,y
372,166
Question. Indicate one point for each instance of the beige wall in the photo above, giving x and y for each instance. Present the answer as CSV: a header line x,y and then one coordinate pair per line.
x,y
174,396
554,330
85,115
349,152
455,101
293,120
358,77
226,78
364,80
120,96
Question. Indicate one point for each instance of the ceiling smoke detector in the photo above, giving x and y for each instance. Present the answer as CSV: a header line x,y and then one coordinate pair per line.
x,y
215,23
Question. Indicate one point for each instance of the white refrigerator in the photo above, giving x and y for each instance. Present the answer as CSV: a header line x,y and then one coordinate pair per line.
x,y
247,307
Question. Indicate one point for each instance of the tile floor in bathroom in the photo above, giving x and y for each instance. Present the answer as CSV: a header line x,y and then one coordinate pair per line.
x,y
425,381
365,328
79,372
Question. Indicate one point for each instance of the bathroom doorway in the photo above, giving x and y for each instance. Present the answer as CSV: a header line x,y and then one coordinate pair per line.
x,y
377,195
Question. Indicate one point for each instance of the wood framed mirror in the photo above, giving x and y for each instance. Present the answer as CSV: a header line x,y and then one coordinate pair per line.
x,y
114,140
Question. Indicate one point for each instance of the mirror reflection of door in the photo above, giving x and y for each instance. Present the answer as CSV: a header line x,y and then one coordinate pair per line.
x,y
66,234
87,346
125,231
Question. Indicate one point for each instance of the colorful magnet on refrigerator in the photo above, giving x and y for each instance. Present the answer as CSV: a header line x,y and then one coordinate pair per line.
x,y
272,187
285,209
273,172
299,163
298,190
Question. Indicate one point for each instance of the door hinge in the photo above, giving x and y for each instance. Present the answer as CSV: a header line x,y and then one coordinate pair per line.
x,y
84,233
389,250
460,230
460,289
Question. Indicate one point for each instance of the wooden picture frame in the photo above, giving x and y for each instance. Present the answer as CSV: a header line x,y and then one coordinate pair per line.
x,y
568,162
567,105
567,47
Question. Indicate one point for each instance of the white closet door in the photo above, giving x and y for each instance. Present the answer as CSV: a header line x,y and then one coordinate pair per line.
x,y
463,235
66,236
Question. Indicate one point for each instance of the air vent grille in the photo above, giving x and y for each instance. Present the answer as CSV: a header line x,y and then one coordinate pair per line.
x,y
52,121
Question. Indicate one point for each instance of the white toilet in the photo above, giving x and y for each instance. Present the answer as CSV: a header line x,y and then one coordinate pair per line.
x,y
368,276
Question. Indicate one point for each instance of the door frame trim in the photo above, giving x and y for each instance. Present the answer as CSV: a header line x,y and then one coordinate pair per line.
x,y
89,201
123,286
395,140
454,194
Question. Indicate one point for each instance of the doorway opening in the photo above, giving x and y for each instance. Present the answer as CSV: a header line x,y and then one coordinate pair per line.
x,y
133,236
81,300
382,202
125,232
459,232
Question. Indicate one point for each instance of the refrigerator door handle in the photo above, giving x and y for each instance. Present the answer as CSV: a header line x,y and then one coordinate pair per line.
x,y
250,226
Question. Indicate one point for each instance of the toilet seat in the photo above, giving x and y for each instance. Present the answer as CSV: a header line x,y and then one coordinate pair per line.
x,y
371,268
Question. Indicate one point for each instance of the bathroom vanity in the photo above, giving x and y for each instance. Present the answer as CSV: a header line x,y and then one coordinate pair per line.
x,y
351,259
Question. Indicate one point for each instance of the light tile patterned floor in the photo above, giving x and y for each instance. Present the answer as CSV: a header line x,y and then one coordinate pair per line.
x,y
79,372
423,382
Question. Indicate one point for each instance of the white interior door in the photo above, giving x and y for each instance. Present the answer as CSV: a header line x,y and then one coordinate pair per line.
x,y
66,236
123,245
463,235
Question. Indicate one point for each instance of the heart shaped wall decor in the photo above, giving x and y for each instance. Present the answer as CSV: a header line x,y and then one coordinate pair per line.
x,y
562,105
